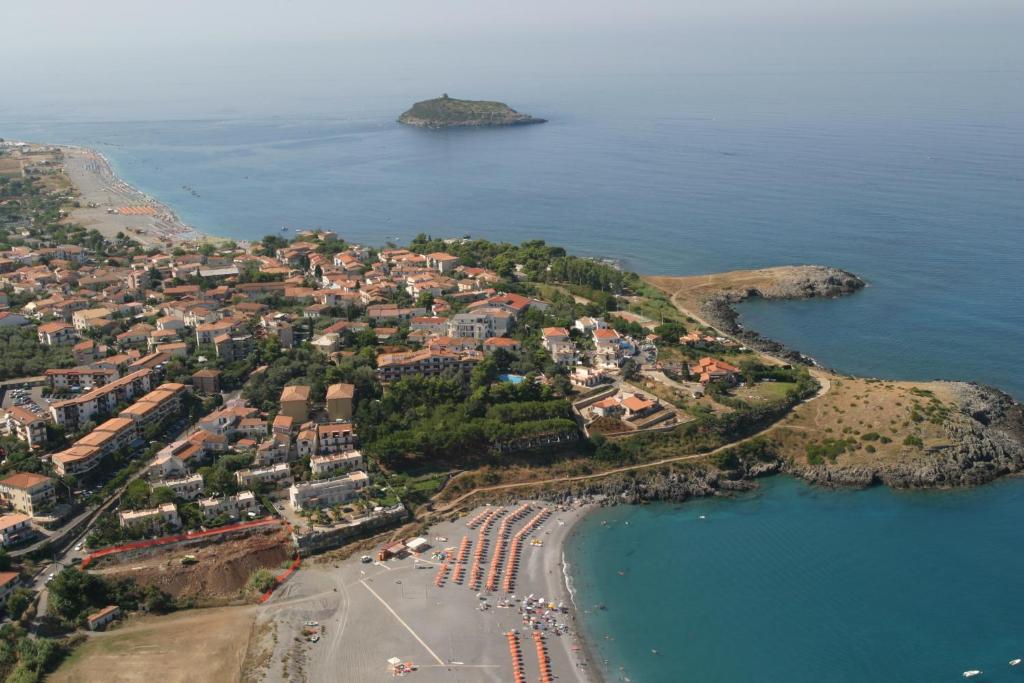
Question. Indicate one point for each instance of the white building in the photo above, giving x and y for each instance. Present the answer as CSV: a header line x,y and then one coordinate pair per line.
x,y
151,518
234,506
326,465
327,492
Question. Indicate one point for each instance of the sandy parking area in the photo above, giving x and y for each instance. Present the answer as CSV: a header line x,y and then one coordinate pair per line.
x,y
368,613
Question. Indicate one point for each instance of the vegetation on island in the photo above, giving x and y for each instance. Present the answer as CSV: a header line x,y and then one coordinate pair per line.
x,y
445,112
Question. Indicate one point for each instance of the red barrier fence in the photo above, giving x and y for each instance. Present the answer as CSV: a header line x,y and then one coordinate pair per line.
x,y
177,538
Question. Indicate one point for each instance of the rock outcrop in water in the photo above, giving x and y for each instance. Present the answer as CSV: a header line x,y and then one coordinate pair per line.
x,y
448,112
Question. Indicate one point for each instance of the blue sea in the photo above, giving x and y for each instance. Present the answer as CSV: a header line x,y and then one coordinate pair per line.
x,y
792,583
915,181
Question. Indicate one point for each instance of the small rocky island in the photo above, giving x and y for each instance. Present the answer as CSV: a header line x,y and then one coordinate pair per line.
x,y
448,112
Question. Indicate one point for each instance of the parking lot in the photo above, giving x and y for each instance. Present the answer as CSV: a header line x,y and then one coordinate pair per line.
x,y
31,399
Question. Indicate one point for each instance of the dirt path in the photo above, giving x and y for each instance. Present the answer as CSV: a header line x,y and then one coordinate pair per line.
x,y
825,385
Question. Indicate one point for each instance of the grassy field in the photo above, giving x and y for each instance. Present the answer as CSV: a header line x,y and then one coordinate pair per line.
x,y
188,647
764,392
877,420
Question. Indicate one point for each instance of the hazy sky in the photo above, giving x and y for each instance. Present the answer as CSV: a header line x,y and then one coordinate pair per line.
x,y
59,50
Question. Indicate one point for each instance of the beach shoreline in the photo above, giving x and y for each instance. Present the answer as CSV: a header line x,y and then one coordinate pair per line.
x,y
110,205
370,612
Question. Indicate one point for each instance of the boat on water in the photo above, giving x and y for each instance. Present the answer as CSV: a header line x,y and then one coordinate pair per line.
x,y
1015,662
972,673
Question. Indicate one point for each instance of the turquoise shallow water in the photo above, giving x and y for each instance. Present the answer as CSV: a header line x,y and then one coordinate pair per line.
x,y
796,584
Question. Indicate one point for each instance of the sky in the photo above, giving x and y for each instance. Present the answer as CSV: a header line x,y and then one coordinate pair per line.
x,y
212,53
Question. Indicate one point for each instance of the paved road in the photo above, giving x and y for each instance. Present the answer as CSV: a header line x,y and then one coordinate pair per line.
x,y
75,548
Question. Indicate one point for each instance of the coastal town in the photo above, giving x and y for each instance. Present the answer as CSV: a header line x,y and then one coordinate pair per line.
x,y
303,423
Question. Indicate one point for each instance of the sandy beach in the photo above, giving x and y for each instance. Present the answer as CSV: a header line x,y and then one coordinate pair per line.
x,y
110,205
368,613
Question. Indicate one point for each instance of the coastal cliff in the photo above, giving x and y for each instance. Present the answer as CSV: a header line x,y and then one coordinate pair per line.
x,y
983,441
713,297
448,112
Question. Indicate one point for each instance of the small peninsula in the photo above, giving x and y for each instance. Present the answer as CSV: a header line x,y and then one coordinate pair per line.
x,y
448,112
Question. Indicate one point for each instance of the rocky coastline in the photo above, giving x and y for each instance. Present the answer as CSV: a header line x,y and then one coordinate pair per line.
x,y
801,282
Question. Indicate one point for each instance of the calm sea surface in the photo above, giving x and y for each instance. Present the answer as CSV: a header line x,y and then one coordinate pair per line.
x,y
913,181
796,584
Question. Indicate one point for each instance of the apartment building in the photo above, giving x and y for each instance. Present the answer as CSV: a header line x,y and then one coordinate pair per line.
x,y
23,425
189,488
81,377
234,506
276,475
327,492
339,401
28,493
56,333
80,409
426,362
295,402
152,519
336,437
330,464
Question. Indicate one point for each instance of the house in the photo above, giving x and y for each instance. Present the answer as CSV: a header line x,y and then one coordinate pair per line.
x,y
556,341
608,407
587,377
295,402
587,324
9,581
327,492
713,370
29,493
9,319
339,401
56,333
15,528
86,351
233,347
638,405
516,304
608,347
505,343
23,425
206,381
442,262
89,318
97,621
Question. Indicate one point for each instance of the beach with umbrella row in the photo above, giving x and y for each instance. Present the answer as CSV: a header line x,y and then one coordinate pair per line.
x,y
461,558
504,531
516,549
482,543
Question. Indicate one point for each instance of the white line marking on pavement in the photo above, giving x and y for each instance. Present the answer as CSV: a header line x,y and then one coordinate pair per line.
x,y
402,622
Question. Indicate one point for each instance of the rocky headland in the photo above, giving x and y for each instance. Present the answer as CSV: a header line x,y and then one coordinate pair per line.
x,y
713,297
448,112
